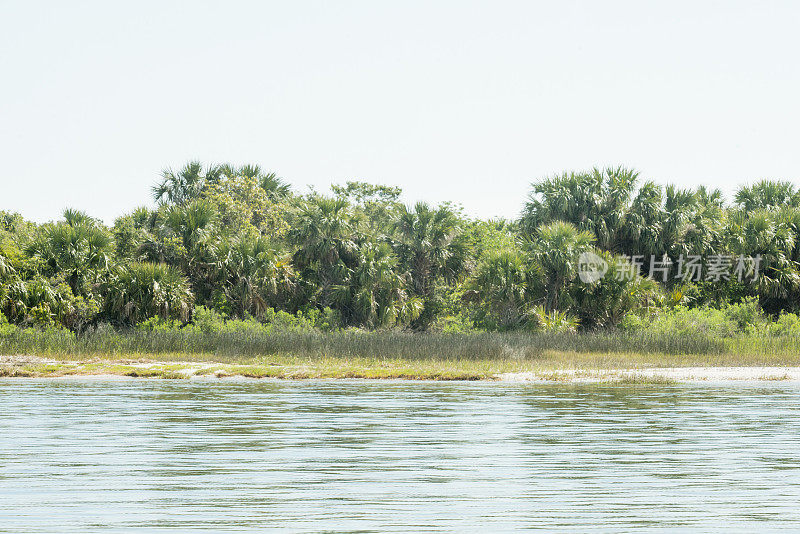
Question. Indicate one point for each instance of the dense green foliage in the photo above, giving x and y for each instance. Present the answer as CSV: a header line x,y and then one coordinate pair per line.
x,y
236,244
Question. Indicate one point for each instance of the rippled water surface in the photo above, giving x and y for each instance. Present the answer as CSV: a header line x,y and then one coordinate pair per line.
x,y
159,455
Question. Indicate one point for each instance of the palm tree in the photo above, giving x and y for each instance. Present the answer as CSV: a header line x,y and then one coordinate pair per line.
x,y
326,245
36,301
186,184
556,249
704,233
79,248
193,226
192,223
641,234
680,205
375,294
595,201
431,249
142,290
275,187
621,291
5,266
506,286
647,222
789,217
768,236
254,276
767,195
132,231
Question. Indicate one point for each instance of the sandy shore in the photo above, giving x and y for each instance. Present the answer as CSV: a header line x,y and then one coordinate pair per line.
x,y
25,366
677,374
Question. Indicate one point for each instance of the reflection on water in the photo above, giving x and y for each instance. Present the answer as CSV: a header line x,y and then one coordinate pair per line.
x,y
96,455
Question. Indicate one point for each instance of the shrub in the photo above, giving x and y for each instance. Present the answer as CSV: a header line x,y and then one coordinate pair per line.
x,y
157,324
787,324
747,315
682,321
208,320
6,329
553,322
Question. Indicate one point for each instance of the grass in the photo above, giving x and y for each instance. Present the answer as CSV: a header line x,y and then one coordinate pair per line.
x,y
383,344
383,354
634,379
554,366
285,367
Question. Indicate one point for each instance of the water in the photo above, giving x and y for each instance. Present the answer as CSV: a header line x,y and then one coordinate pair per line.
x,y
160,455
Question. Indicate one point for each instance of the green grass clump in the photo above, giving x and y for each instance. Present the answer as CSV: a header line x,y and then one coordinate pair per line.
x,y
636,378
380,344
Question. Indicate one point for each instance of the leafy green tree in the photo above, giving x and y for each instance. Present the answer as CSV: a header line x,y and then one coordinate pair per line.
x,y
273,185
192,180
379,204
486,238
244,207
14,224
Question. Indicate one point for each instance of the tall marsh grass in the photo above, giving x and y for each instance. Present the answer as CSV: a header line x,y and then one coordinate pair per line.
x,y
380,344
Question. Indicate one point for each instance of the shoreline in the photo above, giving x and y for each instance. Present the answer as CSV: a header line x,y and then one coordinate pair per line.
x,y
663,375
27,366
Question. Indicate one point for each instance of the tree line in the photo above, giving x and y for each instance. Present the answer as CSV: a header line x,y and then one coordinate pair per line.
x,y
237,240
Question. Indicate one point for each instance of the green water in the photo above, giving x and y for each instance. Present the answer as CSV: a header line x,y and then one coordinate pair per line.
x,y
345,456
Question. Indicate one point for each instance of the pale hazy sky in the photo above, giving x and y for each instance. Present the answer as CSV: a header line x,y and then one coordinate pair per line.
x,y
451,100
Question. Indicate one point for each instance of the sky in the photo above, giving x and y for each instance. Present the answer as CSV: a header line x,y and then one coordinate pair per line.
x,y
451,100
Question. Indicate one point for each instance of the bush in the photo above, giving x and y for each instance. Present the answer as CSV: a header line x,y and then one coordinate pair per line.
x,y
682,321
6,329
285,322
208,320
157,324
745,317
787,324
326,319
455,324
